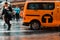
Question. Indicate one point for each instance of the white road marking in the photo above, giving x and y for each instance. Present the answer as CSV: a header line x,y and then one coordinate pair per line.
x,y
17,31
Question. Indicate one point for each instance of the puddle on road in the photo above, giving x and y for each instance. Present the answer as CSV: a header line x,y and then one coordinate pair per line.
x,y
24,33
52,36
31,35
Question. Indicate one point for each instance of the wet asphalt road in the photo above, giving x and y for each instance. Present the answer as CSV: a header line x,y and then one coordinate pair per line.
x,y
17,29
20,32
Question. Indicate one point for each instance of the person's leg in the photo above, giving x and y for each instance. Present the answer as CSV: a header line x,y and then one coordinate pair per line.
x,y
16,17
4,23
8,23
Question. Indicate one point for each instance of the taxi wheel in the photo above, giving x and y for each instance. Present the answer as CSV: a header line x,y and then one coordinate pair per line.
x,y
35,25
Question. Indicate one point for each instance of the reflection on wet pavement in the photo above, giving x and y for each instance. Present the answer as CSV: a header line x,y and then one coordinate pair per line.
x,y
30,35
47,36
18,32
26,32
7,34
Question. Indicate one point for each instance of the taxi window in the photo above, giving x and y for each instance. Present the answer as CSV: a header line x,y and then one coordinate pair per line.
x,y
41,6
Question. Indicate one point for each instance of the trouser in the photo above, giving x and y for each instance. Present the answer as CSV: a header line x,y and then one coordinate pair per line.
x,y
17,16
7,21
13,16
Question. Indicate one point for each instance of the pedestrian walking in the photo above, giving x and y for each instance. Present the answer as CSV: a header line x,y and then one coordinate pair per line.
x,y
17,11
7,12
13,14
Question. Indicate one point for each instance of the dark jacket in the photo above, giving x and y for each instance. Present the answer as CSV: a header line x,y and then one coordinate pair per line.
x,y
6,14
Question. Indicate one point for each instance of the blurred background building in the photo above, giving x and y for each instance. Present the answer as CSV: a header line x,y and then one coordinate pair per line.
x,y
21,3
